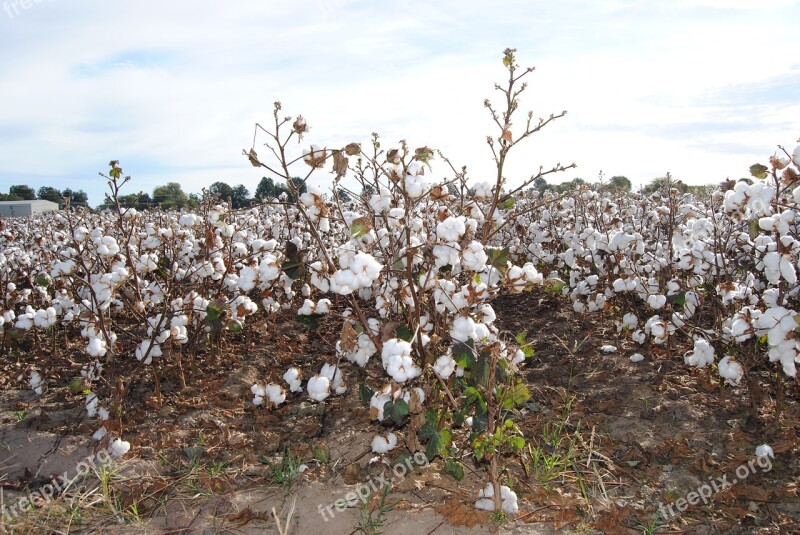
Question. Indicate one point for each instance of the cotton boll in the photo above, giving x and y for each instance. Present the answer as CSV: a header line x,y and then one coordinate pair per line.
x,y
323,306
97,347
394,347
318,387
142,351
119,447
730,370
701,356
444,366
451,229
463,329
473,257
656,301
99,434
37,383
46,318
258,394
637,357
608,348
765,450
334,374
307,309
292,378
402,368
275,394
379,400
382,445
508,499
639,336
343,282
416,186
25,321
91,405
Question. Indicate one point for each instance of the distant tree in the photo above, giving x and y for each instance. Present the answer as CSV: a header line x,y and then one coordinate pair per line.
x,y
46,193
240,196
299,184
170,195
221,190
266,189
540,184
367,191
140,201
269,189
618,184
77,198
569,185
343,195
25,193
660,182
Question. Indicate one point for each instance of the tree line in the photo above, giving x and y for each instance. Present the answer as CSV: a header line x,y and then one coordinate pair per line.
x,y
171,194
21,192
167,196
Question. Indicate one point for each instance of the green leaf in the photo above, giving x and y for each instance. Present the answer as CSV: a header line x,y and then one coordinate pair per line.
x,y
677,299
458,418
235,327
293,266
365,393
759,171
480,372
359,227
213,313
464,354
522,340
498,258
404,333
516,443
396,410
480,420
754,229
438,443
427,431
515,395
554,285
472,396
294,270
310,321
508,204
454,469
479,447
42,280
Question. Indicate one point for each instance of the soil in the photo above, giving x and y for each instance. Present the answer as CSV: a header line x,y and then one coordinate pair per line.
x,y
633,440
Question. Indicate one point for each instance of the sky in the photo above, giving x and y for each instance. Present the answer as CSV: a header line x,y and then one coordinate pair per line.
x,y
698,88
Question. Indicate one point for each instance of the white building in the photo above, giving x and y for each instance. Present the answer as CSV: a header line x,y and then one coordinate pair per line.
x,y
26,208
